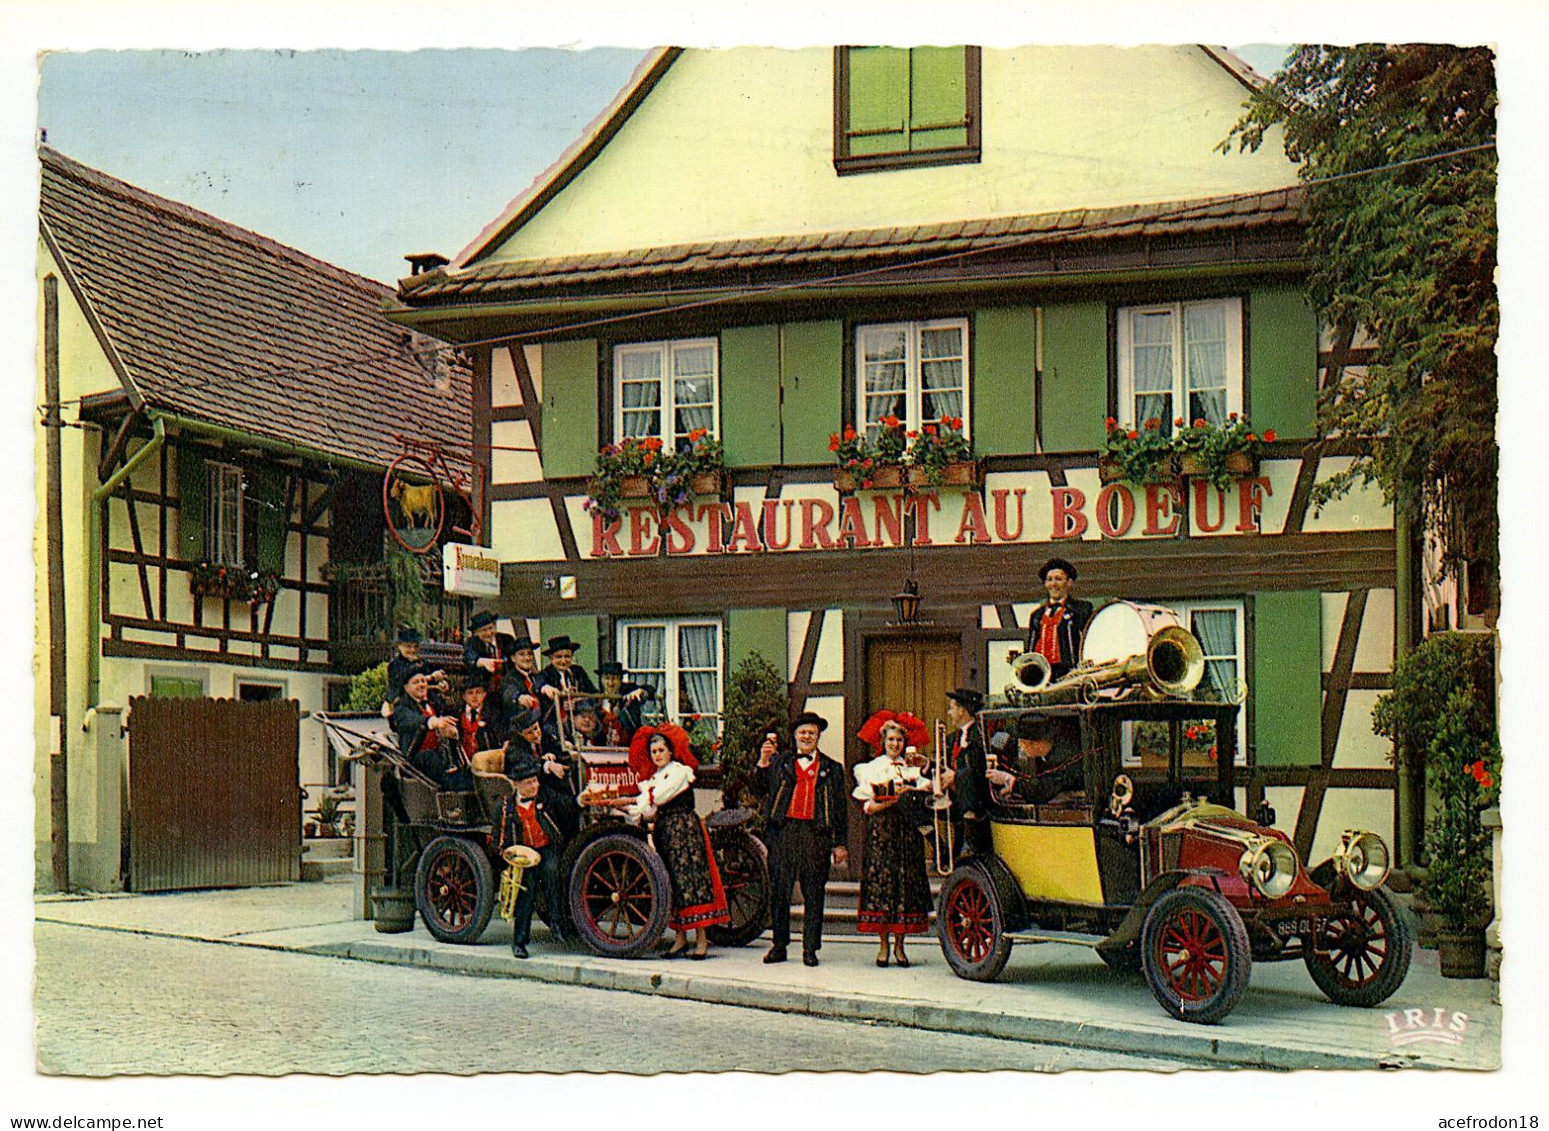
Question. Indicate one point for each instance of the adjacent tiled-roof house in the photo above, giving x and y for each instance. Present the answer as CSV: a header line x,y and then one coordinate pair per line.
x,y
228,407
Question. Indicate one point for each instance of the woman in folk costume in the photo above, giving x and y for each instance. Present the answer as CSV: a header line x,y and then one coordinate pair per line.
x,y
895,894
667,796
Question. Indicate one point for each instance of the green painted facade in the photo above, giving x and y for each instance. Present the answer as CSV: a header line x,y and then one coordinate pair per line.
x,y
813,367
570,439
1287,691
1282,361
750,395
581,629
1002,392
756,630
1075,376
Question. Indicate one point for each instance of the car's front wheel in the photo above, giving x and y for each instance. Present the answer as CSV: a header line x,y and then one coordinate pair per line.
x,y
1194,951
1361,955
971,919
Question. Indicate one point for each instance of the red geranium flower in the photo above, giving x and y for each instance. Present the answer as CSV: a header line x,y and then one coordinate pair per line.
x,y
1231,416
1251,437
1112,423
1178,421
1269,435
1133,435
1154,423
930,429
911,434
833,442
849,432
1200,423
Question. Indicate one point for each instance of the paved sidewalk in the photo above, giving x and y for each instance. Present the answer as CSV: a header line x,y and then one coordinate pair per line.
x,y
1049,993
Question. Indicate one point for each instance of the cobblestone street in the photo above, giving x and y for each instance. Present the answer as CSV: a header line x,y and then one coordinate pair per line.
x,y
114,1003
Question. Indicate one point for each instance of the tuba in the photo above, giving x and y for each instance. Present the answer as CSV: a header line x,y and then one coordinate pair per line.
x,y
518,858
1029,672
1127,648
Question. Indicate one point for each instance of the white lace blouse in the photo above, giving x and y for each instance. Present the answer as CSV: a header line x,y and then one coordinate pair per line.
x,y
660,788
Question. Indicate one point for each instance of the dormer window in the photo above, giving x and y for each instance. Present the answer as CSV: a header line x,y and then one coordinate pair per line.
x,y
901,107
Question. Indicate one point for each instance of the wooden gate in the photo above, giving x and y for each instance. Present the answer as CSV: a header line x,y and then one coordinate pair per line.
x,y
214,793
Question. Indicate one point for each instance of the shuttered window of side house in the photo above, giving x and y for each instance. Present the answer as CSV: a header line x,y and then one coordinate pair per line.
x,y
905,106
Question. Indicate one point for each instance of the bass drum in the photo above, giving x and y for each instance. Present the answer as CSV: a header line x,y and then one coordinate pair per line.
x,y
1124,629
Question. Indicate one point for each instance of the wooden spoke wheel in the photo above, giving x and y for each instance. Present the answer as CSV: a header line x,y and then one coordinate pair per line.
x,y
971,920
1194,951
1360,956
619,896
454,889
744,870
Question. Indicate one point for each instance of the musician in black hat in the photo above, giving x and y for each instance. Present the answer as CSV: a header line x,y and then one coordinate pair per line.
x,y
488,650
404,664
807,813
427,735
1054,628
1047,766
561,677
480,727
519,690
619,709
541,818
965,773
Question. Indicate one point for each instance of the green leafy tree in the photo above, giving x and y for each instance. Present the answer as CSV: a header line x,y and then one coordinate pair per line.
x,y
367,689
1408,253
757,698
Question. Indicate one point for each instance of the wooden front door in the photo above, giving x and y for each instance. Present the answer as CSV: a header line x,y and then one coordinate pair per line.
x,y
911,675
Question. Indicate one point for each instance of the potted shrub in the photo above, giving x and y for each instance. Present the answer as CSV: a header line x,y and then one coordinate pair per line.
x,y
1441,707
327,815
757,700
1136,455
1218,453
941,454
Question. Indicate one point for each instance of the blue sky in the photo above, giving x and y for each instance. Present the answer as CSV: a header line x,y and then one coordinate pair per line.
x,y
357,157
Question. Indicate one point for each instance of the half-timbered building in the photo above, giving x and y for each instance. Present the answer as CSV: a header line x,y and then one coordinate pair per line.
x,y
219,410
776,245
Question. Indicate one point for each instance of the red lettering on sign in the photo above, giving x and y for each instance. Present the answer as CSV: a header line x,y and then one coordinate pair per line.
x,y
605,538
714,515
1159,507
887,517
642,522
972,528
1106,498
1001,497
678,527
771,509
852,527
1250,501
922,505
745,532
1069,521
1203,489
814,530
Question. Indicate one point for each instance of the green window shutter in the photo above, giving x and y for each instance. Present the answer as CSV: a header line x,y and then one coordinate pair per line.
x,y
1288,678
266,484
581,629
173,687
814,389
570,439
1002,381
938,92
1282,362
756,630
192,490
879,99
1075,376
750,395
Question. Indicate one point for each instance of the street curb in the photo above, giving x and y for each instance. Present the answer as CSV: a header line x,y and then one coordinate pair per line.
x,y
1207,1047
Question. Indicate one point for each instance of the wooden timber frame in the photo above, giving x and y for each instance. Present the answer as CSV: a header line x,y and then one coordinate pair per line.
x,y
142,627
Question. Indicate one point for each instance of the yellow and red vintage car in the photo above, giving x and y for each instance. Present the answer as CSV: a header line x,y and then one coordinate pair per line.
x,y
1141,855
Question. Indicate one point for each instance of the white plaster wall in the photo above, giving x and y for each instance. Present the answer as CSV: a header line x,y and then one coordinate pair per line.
x,y
1368,809
513,466
1362,508
795,639
1358,747
828,666
739,143
523,530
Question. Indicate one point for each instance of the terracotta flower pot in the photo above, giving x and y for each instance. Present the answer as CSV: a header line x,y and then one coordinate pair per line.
x,y
707,483
634,487
1191,465
844,481
1240,463
1109,470
964,474
1462,952
886,478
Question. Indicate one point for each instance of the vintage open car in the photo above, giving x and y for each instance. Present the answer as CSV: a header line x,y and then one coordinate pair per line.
x,y
617,890
1148,863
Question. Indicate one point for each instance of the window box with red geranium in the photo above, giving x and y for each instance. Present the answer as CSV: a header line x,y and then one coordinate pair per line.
x,y
624,471
1220,453
869,463
941,455
1137,455
703,461
233,583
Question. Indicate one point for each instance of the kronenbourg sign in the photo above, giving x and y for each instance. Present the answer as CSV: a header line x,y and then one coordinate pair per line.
x,y
470,571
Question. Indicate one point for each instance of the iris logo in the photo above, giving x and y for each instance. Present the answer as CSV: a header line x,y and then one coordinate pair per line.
x,y
1438,1026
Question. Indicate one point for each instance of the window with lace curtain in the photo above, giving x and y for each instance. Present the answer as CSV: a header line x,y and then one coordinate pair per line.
x,y
666,390
1218,626
916,371
1180,360
681,659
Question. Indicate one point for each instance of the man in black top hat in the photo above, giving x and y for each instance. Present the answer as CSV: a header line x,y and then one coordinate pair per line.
x,y
618,711
1048,765
1054,628
560,676
427,735
807,812
966,767
541,818
519,690
488,650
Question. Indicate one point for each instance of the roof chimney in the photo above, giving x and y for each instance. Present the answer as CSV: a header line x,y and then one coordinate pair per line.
x,y
422,261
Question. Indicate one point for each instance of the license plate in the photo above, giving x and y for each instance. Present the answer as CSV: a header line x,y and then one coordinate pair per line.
x,y
1293,928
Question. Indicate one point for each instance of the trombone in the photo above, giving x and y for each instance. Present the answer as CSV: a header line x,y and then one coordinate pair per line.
x,y
941,806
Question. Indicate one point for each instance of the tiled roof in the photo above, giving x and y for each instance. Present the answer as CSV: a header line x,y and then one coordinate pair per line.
x,y
225,326
826,254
